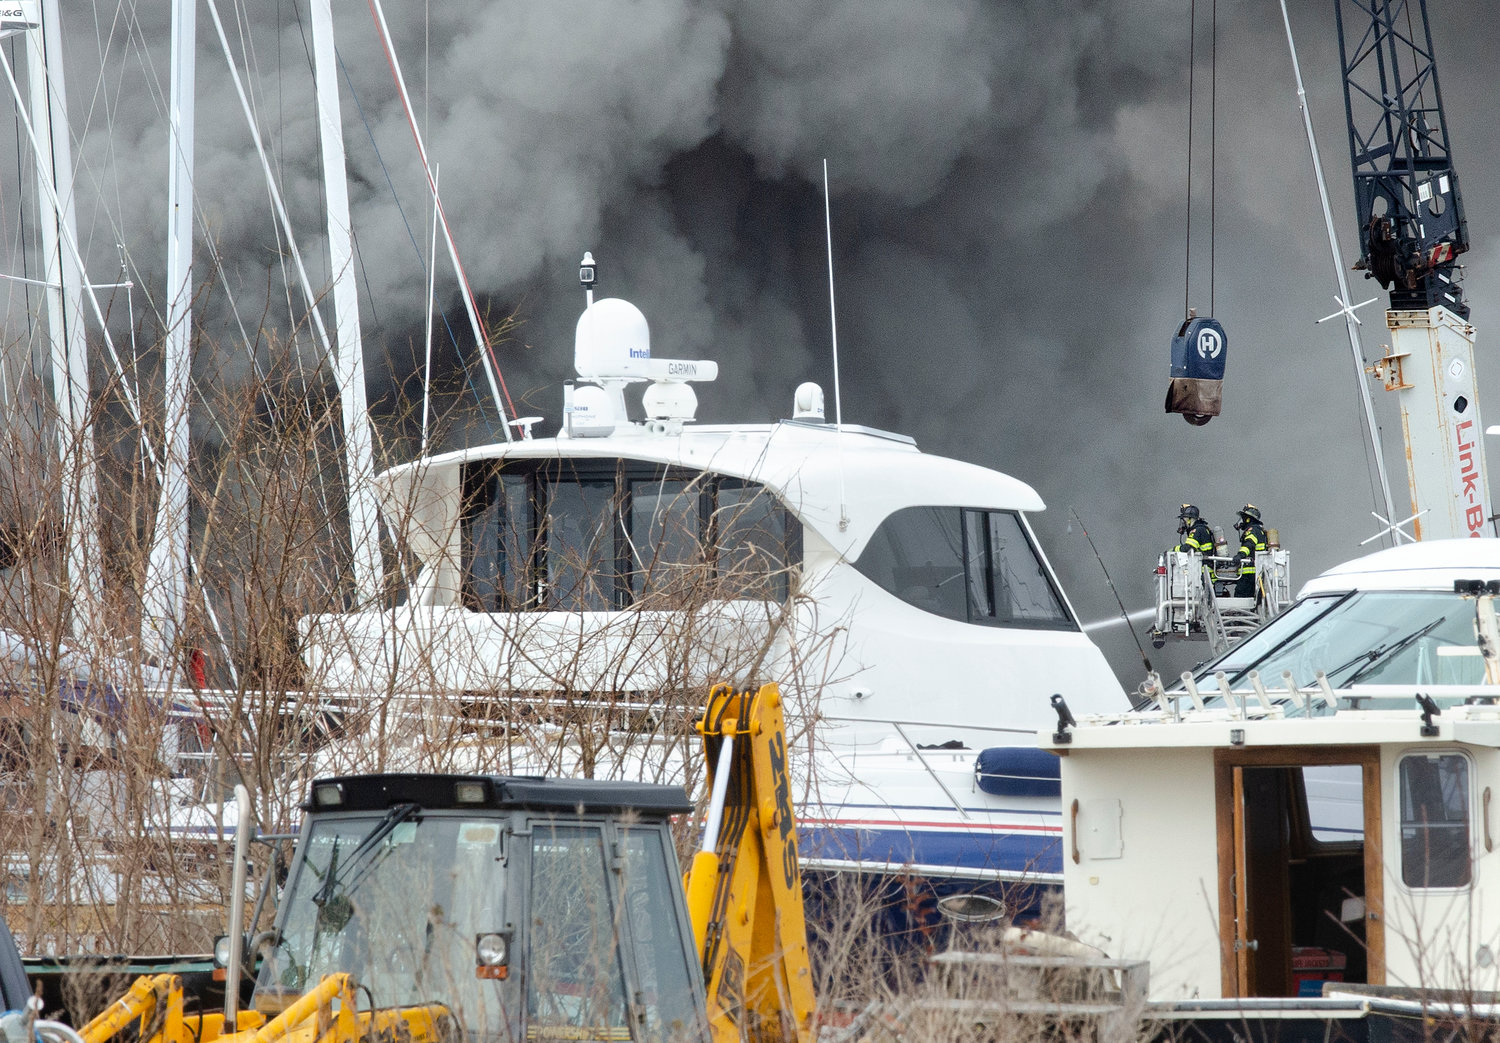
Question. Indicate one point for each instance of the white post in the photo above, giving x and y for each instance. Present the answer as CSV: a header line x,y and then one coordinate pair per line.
x,y
62,271
364,517
166,572
431,306
239,873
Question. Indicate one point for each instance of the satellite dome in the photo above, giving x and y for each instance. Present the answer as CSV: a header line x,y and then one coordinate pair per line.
x,y
613,340
807,403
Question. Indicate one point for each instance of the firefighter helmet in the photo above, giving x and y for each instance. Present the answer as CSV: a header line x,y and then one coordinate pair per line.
x,y
1189,512
1250,512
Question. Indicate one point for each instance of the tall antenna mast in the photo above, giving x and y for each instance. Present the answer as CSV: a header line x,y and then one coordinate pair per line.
x,y
838,409
833,315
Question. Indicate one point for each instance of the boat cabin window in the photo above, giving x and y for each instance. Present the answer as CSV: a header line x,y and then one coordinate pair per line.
x,y
1335,802
606,535
1435,841
975,566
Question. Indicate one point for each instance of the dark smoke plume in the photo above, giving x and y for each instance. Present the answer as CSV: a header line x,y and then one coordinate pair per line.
x,y
1009,198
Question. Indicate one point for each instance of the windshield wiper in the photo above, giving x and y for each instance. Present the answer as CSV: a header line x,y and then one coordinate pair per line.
x,y
334,907
1375,655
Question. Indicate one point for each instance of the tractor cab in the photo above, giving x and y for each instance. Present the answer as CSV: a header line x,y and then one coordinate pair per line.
x,y
491,907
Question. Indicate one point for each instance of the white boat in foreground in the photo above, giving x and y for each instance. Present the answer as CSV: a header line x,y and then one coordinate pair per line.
x,y
1314,812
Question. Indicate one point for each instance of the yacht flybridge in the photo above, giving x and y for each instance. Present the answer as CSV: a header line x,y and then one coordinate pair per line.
x,y
572,593
1313,813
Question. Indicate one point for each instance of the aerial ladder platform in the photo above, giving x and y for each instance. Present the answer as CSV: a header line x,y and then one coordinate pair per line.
x,y
1195,597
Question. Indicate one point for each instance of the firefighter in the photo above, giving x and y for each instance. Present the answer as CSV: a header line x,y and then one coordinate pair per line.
x,y
1196,535
1252,542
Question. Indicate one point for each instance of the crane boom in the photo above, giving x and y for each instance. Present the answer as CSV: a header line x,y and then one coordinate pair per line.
x,y
1406,195
1411,233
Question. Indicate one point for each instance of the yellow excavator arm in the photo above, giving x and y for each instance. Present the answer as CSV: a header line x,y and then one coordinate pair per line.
x,y
327,1013
744,889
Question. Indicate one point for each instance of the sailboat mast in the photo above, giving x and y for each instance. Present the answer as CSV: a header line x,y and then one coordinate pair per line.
x,y
364,519
167,568
67,338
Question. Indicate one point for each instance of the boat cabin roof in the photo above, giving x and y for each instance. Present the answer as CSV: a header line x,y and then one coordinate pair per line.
x,y
1393,720
1430,565
810,466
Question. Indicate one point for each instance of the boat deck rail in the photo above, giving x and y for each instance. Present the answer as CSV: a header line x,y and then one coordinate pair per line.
x,y
1258,701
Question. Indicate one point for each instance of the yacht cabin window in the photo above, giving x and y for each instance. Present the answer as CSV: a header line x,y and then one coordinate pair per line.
x,y
975,566
1435,842
606,535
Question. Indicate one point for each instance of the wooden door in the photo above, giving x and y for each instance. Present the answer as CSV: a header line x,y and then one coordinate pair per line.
x,y
1256,823
1262,940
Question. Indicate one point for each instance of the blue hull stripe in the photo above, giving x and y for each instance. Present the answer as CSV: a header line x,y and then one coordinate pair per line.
x,y
1020,853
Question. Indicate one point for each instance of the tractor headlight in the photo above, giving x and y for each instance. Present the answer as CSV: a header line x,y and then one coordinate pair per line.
x,y
328,795
469,792
492,954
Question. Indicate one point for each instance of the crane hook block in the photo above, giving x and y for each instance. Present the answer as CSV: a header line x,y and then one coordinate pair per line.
x,y
1198,354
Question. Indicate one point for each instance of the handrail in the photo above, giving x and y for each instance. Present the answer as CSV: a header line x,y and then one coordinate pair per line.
x,y
904,723
957,805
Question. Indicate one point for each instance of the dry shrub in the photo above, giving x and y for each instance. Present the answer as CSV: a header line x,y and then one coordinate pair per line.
x,y
951,981
115,832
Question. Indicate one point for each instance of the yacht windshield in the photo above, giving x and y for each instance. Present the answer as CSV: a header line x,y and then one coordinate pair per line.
x,y
1365,637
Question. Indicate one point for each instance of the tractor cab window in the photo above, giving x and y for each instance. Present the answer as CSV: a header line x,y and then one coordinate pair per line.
x,y
975,566
395,900
1435,845
668,983
575,984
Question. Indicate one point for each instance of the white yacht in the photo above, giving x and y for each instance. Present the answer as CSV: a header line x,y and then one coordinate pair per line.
x,y
609,574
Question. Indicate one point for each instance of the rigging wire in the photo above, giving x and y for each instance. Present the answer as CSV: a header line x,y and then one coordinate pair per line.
x,y
1213,147
464,365
1187,249
136,41
69,243
1213,153
286,247
481,331
1124,615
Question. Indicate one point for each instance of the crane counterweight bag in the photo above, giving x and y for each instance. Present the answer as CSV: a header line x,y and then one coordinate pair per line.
x,y
1198,354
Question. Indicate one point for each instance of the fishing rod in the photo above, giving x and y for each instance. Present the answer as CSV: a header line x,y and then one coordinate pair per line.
x,y
1124,615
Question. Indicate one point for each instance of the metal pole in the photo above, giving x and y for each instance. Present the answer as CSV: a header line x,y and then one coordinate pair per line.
x,y
364,514
239,873
167,567
1350,322
63,273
